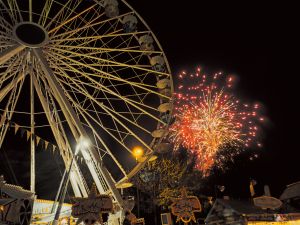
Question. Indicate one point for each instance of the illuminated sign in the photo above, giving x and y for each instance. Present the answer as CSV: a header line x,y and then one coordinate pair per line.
x,y
185,206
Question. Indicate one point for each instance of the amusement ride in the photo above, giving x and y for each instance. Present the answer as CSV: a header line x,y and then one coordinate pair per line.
x,y
91,77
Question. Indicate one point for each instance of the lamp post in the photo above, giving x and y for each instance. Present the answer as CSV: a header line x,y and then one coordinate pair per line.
x,y
82,144
138,152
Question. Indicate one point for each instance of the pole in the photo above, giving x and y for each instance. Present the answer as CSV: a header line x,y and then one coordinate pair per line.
x,y
63,194
32,141
59,191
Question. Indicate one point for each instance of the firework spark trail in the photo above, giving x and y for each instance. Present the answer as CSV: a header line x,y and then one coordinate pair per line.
x,y
209,119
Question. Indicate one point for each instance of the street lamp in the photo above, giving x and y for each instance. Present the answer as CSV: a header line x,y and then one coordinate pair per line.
x,y
82,144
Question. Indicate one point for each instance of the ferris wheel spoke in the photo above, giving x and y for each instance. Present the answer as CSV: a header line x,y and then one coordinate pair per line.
x,y
126,100
11,70
12,15
59,72
101,50
111,31
129,130
16,9
30,10
70,11
4,91
131,59
129,101
6,25
45,12
59,13
126,119
9,110
10,52
127,97
105,61
93,81
99,37
84,18
109,102
10,75
114,111
81,33
124,43
114,115
102,105
69,34
107,75
13,99
104,145
84,112
105,129
58,41
71,19
99,54
108,31
80,89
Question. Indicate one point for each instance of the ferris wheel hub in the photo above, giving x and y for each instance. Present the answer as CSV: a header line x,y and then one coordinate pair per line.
x,y
30,34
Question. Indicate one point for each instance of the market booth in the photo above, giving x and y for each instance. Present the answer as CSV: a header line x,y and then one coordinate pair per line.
x,y
237,212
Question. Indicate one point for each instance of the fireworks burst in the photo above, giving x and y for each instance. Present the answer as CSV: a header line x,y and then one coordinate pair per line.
x,y
210,120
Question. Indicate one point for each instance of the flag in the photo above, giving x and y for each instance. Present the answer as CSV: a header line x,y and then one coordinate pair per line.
x,y
28,134
46,145
16,128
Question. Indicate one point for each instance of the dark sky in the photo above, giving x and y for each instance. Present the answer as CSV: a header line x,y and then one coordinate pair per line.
x,y
252,41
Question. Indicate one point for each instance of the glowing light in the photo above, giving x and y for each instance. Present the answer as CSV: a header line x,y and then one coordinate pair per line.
x,y
82,144
137,152
210,121
292,222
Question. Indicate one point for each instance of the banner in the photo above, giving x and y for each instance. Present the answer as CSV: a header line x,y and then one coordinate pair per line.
x,y
43,143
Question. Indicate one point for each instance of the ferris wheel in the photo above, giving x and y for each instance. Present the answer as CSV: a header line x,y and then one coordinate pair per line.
x,y
88,69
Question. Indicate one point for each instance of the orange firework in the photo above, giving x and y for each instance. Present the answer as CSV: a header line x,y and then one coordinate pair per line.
x,y
209,119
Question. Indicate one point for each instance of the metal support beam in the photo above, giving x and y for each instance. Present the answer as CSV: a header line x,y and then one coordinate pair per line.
x,y
97,169
57,136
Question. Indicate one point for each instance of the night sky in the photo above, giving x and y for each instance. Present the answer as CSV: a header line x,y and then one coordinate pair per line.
x,y
253,42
